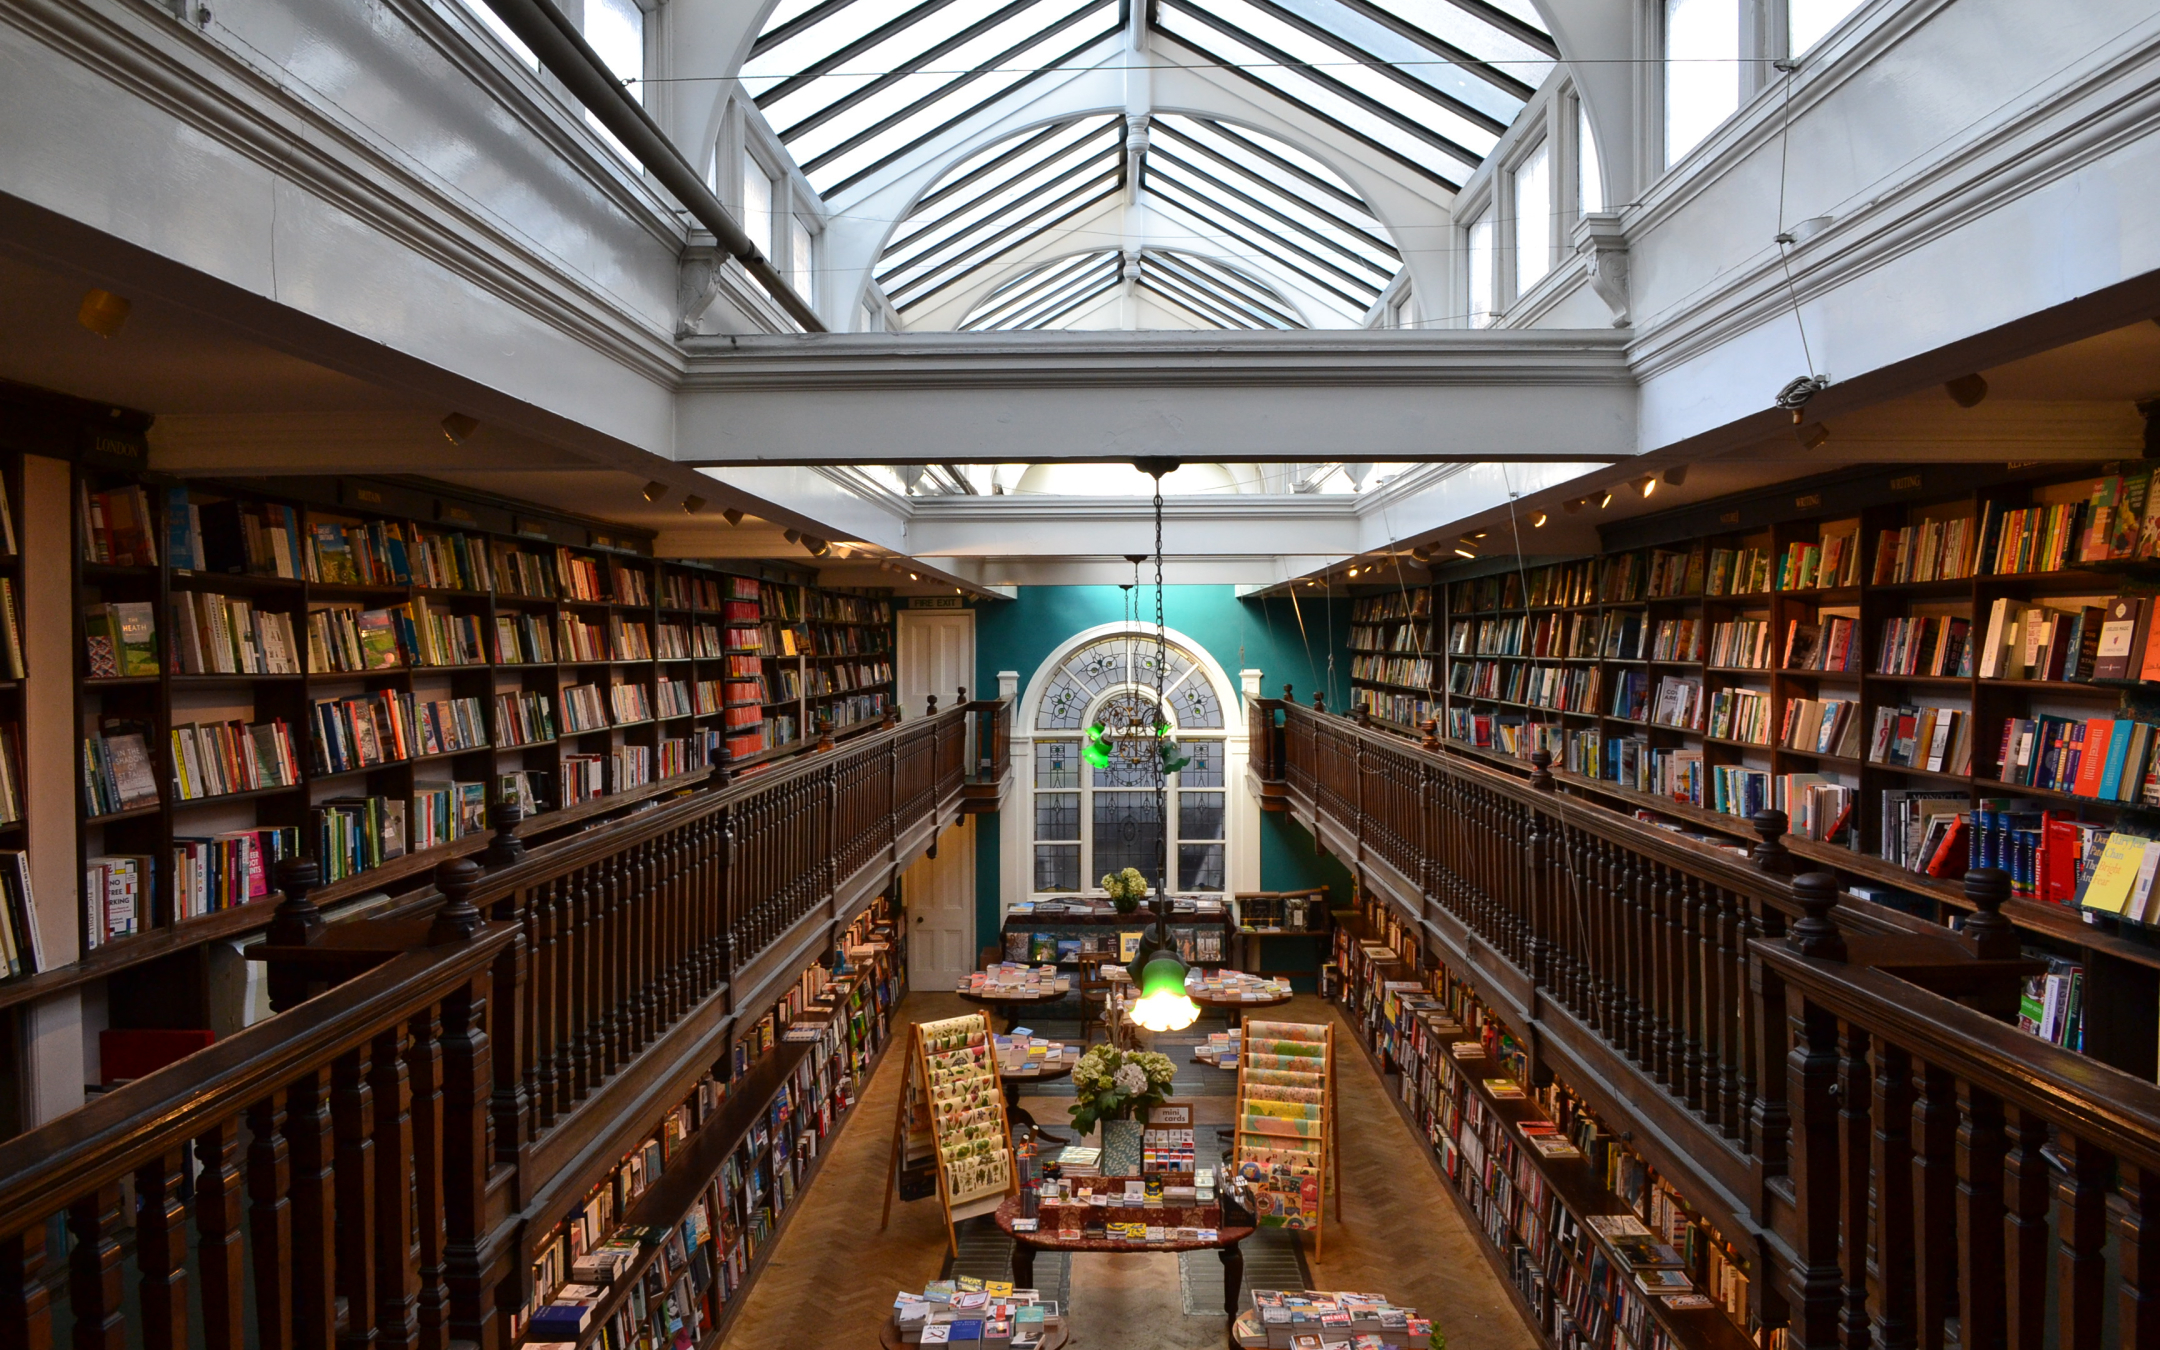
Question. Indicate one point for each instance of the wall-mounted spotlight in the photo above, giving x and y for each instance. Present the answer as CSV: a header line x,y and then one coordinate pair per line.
x,y
912,577
655,491
1676,475
692,505
102,312
459,428
1966,390
1573,505
1812,435
1604,499
791,535
1462,552
732,516
1537,520
818,548
1645,485
1353,571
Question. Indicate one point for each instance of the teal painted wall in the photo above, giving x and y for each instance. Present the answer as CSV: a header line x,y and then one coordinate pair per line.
x,y
1288,642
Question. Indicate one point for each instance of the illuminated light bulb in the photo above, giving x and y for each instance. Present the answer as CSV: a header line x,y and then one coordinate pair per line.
x,y
1164,1005
1537,520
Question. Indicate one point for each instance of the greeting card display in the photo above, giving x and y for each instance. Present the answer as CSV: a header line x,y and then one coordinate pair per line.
x,y
953,1090
1285,1125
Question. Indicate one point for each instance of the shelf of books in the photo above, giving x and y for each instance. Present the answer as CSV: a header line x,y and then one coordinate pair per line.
x,y
850,676
1600,1249
666,1243
352,669
1925,681
22,948
1392,657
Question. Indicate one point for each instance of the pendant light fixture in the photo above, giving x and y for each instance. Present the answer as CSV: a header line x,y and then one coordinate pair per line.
x,y
1163,1005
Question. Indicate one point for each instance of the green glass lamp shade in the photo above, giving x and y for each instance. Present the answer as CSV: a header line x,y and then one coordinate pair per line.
x,y
1097,750
1164,1004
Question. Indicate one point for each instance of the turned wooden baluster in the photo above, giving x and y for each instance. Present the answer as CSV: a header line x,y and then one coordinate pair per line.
x,y
220,1210
1890,1163
2138,1290
1934,1186
467,1083
352,1115
309,1141
397,1281
510,1102
1855,1131
1814,1283
1980,1214
270,1221
543,999
424,1072
161,1251
25,1303
2081,1194
94,1270
1695,956
573,1068
2025,1240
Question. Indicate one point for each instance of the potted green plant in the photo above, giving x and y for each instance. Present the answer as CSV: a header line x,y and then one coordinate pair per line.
x,y
1126,889
1117,1089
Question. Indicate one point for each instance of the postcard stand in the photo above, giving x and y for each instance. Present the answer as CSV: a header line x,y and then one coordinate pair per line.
x,y
952,1111
1286,1123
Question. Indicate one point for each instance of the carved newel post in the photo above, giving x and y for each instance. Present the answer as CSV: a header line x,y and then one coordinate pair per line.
x,y
297,923
891,718
457,920
1988,935
1287,697
1815,933
1363,716
929,705
1319,701
824,732
504,816
1769,854
1432,735
1540,770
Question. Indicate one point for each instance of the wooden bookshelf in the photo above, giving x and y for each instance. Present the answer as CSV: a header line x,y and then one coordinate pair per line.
x,y
641,743
1559,607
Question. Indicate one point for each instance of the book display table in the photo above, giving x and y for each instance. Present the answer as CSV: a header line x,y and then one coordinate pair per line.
x,y
1235,992
1018,1068
1011,1004
1224,1242
889,1338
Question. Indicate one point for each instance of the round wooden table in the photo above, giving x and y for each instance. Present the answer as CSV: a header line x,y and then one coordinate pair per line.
x,y
1236,1006
1012,1081
1025,1245
1007,1004
1054,1338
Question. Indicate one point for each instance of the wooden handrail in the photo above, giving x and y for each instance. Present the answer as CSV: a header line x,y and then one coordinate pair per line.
x,y
1838,1079
398,1141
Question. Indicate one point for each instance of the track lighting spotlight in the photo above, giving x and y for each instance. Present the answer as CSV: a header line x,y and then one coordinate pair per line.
x,y
1573,505
1423,552
692,505
1966,390
1537,520
912,577
1676,475
791,535
655,491
817,548
459,428
1479,534
732,516
1604,499
102,312
1353,571
1470,553
1645,485
1813,435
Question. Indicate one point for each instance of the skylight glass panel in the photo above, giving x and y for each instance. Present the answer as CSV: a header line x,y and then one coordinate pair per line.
x,y
1589,176
1481,270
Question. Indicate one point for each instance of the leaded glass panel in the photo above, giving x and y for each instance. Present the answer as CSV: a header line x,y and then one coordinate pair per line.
x,y
1200,815
1206,769
1057,764
1057,867
1128,833
1200,867
1057,815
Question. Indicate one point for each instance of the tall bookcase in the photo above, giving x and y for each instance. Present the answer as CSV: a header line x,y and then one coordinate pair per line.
x,y
1546,654
570,617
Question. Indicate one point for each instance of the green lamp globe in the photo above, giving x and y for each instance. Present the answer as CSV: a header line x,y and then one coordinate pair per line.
x,y
1164,1004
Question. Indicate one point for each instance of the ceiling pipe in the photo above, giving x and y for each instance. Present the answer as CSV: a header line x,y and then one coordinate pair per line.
x,y
567,56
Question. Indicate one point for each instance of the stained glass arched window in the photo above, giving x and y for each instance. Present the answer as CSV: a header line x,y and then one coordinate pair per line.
x,y
1091,821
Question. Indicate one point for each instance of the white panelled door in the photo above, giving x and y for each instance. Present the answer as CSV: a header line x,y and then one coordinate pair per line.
x,y
937,656
940,896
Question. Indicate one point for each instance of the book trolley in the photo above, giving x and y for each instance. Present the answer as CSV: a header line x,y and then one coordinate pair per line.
x,y
953,1107
1286,1123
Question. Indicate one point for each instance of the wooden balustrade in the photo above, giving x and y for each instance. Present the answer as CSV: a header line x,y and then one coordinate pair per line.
x,y
1833,1078
442,1083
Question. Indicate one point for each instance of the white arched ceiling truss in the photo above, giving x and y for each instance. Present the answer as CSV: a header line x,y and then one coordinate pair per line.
x,y
1247,203
878,99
